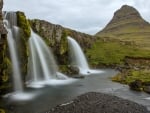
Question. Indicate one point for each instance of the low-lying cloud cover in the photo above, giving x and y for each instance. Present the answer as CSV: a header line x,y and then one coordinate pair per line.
x,y
88,16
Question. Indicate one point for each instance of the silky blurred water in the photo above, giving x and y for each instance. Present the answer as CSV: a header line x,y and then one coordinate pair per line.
x,y
51,95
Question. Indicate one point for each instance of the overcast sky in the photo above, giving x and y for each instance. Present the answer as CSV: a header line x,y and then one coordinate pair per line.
x,y
88,16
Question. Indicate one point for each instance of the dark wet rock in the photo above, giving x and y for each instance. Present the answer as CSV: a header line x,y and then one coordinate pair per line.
x,y
147,89
136,85
99,103
73,70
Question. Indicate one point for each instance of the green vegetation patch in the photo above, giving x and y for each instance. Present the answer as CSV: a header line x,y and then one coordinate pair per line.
x,y
132,75
113,52
23,23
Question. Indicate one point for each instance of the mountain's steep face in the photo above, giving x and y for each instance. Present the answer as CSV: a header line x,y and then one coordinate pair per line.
x,y
122,17
127,25
56,37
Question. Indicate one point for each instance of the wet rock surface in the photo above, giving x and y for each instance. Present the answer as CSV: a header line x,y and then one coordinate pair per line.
x,y
147,89
136,85
93,102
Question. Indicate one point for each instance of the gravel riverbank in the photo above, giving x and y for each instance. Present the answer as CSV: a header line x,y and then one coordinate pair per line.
x,y
94,102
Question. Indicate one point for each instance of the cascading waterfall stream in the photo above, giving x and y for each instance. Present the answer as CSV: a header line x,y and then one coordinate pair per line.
x,y
42,66
78,58
15,65
10,21
41,57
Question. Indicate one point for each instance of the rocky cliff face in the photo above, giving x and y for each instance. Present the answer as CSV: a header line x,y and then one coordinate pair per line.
x,y
4,61
56,37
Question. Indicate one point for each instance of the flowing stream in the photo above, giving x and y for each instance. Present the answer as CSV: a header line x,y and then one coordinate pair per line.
x,y
78,58
42,67
13,30
50,96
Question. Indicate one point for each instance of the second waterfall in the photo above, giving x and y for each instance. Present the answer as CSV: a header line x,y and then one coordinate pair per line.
x,y
42,68
78,58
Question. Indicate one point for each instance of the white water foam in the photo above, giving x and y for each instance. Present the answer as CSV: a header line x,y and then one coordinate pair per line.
x,y
20,96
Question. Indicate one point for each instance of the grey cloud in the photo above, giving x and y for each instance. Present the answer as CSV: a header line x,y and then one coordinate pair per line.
x,y
88,16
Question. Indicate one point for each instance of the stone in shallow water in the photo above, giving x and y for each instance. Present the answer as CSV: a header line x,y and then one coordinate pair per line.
x,y
147,89
136,85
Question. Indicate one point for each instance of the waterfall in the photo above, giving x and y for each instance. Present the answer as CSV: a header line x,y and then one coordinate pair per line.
x,y
42,68
10,22
15,64
11,17
43,62
78,58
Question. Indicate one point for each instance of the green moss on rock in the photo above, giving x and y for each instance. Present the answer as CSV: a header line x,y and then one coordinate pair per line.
x,y
63,43
136,79
23,23
23,49
132,75
5,69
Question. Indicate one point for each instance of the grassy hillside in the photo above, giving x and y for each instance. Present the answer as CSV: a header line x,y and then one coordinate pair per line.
x,y
126,35
127,25
113,52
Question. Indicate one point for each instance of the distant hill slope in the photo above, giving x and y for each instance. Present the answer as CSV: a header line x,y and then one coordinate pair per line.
x,y
125,44
128,25
127,34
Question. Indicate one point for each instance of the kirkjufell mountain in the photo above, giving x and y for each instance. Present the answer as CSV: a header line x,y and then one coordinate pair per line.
x,y
127,25
126,20
126,35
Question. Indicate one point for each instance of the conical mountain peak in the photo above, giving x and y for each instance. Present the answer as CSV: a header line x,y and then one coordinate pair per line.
x,y
126,12
125,20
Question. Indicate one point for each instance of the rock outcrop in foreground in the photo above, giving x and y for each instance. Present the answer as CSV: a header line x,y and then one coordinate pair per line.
x,y
99,103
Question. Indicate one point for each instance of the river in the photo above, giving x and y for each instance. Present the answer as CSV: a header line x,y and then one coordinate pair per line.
x,y
50,96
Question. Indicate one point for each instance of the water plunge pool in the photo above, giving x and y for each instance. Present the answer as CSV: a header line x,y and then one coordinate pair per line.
x,y
51,95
